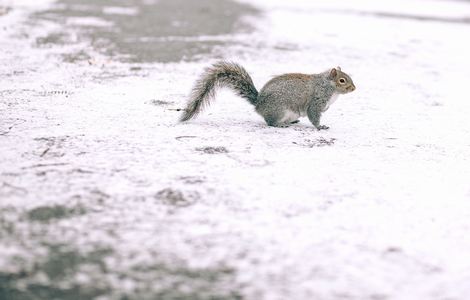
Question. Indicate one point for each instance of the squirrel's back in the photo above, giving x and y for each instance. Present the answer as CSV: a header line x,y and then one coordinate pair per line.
x,y
290,90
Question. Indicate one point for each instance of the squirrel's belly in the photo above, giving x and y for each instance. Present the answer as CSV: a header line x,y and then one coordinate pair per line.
x,y
289,116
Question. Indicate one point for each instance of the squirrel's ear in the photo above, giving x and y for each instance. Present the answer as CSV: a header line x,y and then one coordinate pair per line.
x,y
339,68
332,74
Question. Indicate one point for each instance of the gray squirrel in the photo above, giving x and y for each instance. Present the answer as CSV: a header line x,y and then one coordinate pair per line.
x,y
281,101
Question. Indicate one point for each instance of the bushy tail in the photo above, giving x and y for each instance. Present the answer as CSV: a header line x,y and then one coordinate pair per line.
x,y
220,74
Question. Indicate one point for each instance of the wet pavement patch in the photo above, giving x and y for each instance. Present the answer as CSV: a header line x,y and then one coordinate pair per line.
x,y
53,38
9,291
7,223
159,102
176,198
319,142
151,280
55,212
179,282
192,179
63,261
59,266
212,150
146,31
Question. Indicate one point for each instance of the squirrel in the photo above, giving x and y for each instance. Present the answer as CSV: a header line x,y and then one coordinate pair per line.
x,y
281,101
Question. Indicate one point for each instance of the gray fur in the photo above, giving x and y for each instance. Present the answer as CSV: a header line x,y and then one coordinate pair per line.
x,y
281,101
221,74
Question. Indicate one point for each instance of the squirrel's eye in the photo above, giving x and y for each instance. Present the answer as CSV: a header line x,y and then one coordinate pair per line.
x,y
342,80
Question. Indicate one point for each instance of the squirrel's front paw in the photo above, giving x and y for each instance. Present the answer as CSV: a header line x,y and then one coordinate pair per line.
x,y
323,127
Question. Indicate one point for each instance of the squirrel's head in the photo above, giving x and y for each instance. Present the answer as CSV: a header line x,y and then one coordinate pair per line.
x,y
342,81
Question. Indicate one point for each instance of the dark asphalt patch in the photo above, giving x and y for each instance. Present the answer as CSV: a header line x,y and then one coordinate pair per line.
x,y
147,31
55,212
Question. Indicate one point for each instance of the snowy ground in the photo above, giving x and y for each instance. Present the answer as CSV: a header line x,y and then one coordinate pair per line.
x,y
103,195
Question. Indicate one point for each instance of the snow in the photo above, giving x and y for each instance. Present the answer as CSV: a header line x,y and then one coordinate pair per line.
x,y
132,11
377,207
88,21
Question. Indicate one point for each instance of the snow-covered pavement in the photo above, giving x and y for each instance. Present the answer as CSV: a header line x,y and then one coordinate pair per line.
x,y
103,195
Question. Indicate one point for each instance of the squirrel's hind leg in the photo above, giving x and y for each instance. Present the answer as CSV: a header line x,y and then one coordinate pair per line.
x,y
275,121
281,120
